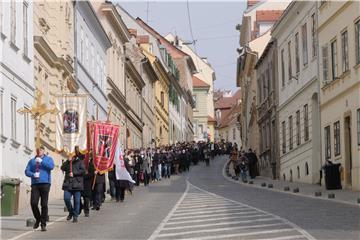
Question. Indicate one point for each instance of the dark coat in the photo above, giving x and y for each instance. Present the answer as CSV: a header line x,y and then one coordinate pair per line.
x,y
75,183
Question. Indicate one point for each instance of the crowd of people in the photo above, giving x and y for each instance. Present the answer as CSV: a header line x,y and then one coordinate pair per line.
x,y
85,188
243,164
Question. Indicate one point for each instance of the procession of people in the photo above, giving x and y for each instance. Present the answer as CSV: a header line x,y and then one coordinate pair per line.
x,y
85,187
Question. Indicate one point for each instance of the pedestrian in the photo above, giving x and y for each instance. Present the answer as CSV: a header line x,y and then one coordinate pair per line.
x,y
243,167
253,163
73,184
87,191
207,155
39,170
98,190
123,178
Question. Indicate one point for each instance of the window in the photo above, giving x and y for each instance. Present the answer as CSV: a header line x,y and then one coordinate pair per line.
x,y
26,127
333,60
306,122
358,126
344,51
289,61
304,44
337,138
13,21
298,130
313,34
298,172
282,69
306,169
357,41
25,27
81,45
327,142
297,59
13,118
290,132
162,98
325,63
283,126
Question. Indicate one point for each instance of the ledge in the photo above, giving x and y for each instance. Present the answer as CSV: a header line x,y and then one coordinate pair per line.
x,y
27,150
3,138
13,46
3,36
26,58
15,144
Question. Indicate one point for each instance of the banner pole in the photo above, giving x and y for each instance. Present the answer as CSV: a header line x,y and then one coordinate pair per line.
x,y
93,185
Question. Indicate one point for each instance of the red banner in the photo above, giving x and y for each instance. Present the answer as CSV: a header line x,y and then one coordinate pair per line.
x,y
105,136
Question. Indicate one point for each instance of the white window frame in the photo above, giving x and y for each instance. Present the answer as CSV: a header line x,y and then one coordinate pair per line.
x,y
327,142
345,51
313,34
297,57
304,44
325,63
334,63
13,118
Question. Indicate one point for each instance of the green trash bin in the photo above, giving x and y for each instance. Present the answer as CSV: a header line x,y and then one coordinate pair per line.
x,y
10,188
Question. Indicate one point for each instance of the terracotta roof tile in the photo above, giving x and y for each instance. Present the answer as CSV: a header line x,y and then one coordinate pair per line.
x,y
142,39
197,83
268,15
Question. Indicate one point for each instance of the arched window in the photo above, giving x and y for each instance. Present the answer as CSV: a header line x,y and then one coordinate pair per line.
x,y
306,169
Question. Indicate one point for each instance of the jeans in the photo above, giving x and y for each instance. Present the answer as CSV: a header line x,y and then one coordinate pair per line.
x,y
74,209
40,191
112,188
243,175
158,172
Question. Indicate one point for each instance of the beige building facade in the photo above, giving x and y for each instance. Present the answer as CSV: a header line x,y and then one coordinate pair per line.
x,y
339,43
53,70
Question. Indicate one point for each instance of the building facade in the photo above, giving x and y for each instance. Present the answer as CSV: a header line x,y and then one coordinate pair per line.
x,y
16,91
91,43
134,87
267,98
298,108
339,60
200,96
118,35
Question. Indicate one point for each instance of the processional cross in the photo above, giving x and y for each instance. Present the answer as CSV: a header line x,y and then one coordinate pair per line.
x,y
37,111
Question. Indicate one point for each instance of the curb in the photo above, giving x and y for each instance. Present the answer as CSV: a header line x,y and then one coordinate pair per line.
x,y
286,192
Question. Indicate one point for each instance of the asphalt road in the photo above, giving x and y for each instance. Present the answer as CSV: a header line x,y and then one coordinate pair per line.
x,y
202,204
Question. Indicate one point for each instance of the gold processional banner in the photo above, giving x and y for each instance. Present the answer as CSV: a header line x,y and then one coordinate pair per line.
x,y
71,122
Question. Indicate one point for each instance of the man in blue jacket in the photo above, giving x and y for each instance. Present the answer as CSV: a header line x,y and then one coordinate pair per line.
x,y
39,170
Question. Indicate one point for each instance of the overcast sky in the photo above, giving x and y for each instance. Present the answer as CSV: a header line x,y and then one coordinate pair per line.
x,y
213,25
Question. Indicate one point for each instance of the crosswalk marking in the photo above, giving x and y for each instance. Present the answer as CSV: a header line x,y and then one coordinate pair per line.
x,y
202,215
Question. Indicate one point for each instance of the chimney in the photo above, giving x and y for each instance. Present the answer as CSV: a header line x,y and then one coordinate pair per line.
x,y
133,32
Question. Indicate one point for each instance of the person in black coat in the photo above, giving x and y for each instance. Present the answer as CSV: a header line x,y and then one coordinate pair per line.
x,y
253,162
87,192
73,183
98,190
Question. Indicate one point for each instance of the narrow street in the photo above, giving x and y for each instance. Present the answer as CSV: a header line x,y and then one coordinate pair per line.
x,y
204,205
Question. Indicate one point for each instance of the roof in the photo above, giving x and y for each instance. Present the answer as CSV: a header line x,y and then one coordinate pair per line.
x,y
174,51
231,117
211,119
228,102
197,83
268,15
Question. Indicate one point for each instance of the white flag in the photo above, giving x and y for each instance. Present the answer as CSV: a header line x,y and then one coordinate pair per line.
x,y
71,122
120,170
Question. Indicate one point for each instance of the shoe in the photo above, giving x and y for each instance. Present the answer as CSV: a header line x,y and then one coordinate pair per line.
x,y
43,228
36,225
97,208
75,220
86,214
69,217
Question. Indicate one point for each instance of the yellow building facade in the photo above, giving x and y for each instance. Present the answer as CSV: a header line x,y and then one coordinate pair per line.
x,y
339,38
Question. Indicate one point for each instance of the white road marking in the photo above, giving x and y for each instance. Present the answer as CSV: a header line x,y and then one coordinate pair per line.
x,y
215,219
227,229
208,215
225,223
